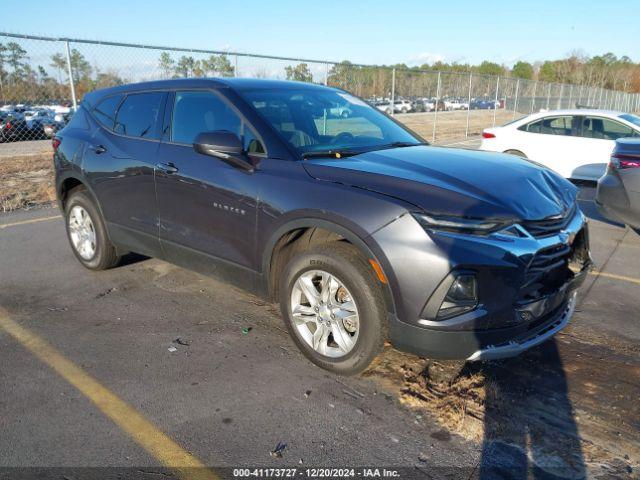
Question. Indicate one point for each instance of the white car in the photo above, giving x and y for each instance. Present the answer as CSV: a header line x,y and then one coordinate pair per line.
x,y
400,106
575,143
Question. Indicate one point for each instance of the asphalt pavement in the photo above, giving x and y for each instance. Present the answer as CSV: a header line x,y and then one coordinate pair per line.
x,y
127,367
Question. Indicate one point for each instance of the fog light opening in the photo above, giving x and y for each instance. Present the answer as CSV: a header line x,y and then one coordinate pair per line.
x,y
461,297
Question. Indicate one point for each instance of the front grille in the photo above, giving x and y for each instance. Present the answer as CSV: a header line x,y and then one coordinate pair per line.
x,y
547,271
550,259
548,226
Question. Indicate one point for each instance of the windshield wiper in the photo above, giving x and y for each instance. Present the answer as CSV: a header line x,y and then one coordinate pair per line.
x,y
399,145
330,153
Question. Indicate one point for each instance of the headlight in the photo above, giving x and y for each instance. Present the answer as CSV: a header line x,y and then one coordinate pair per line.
x,y
474,226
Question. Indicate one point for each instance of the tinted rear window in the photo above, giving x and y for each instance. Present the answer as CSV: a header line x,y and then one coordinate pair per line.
x,y
138,115
105,111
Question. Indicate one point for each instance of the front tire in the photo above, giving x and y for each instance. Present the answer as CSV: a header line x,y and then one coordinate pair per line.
x,y
87,234
333,307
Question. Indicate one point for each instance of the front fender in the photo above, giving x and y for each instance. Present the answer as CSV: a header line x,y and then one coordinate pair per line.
x,y
338,225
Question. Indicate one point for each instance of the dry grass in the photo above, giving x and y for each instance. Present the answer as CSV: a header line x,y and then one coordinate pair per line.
x,y
453,125
26,181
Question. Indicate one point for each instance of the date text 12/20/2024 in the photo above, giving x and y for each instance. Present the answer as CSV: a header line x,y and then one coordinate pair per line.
x,y
316,473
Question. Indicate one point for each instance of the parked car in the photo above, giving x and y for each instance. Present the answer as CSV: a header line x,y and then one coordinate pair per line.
x,y
482,104
618,193
419,106
575,143
400,106
342,111
50,128
457,104
363,234
441,106
13,128
42,115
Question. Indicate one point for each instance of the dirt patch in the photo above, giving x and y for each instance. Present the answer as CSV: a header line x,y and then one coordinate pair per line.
x,y
566,406
26,181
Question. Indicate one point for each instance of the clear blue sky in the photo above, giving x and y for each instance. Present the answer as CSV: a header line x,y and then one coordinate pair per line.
x,y
391,31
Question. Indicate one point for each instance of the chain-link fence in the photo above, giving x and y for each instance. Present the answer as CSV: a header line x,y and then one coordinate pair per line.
x,y
42,79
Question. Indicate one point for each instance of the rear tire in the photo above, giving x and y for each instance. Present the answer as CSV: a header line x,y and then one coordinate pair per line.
x,y
517,153
87,233
365,330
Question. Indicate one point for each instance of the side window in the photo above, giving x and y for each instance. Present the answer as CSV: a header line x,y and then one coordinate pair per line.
x,y
105,111
533,127
551,126
138,115
604,129
557,126
197,112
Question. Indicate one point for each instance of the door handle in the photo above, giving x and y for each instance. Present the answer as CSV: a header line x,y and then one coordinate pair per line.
x,y
98,149
167,167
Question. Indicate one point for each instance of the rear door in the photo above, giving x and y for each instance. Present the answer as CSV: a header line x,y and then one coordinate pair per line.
x,y
598,136
551,141
120,163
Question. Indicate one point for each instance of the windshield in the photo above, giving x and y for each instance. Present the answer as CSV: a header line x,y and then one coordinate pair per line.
x,y
629,117
323,120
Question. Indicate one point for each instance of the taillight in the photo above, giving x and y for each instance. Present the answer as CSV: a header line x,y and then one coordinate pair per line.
x,y
8,125
488,135
620,161
55,141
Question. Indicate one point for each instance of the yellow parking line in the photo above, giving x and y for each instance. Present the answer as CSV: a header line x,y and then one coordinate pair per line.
x,y
141,430
615,277
27,222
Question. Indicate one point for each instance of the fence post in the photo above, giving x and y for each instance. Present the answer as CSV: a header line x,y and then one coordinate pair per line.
x,y
435,116
600,98
393,91
533,97
69,71
570,95
548,95
326,74
515,102
235,70
466,132
560,97
495,103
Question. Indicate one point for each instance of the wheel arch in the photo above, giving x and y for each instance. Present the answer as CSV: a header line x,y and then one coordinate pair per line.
x,y
296,235
69,182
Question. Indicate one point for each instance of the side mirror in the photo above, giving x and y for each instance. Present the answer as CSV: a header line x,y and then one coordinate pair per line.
x,y
224,145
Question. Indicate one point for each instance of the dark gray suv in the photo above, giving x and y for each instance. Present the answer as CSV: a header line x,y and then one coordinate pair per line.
x,y
359,229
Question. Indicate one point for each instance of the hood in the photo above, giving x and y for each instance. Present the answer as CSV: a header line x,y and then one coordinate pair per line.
x,y
447,181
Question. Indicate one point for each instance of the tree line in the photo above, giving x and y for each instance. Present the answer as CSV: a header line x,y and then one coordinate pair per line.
x,y
22,81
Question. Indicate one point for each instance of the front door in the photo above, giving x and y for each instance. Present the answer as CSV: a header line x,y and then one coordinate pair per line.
x,y
207,207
